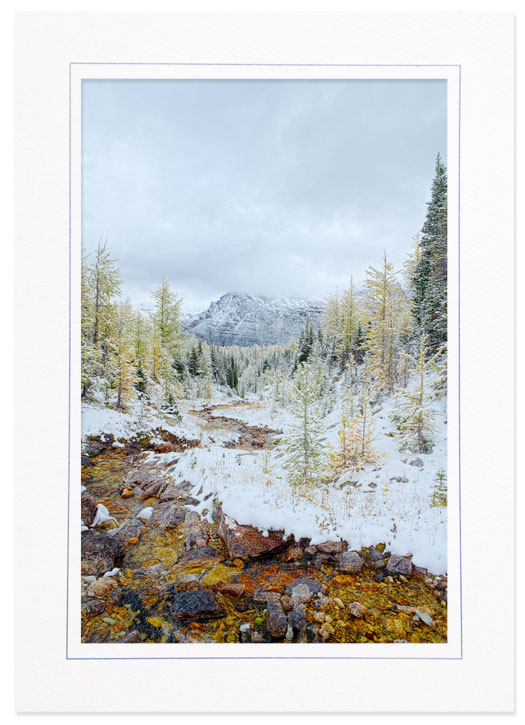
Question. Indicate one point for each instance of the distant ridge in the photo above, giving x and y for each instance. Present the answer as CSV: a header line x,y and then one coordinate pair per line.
x,y
238,318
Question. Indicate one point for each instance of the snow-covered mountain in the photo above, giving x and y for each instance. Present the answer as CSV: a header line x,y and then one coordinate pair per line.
x,y
238,318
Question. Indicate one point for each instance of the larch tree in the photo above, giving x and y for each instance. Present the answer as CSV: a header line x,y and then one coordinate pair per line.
x,y
166,337
124,359
305,452
387,313
413,414
104,284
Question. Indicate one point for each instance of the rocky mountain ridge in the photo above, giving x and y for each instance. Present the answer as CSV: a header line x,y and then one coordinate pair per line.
x,y
238,318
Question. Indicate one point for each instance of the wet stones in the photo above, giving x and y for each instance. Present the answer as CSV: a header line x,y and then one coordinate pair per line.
x,y
100,552
86,461
276,622
246,542
88,508
195,605
350,562
400,565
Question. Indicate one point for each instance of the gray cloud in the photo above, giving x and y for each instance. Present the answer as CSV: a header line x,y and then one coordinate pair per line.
x,y
268,187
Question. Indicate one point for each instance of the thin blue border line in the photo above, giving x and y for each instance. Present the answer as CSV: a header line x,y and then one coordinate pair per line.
x,y
69,386
459,369
308,65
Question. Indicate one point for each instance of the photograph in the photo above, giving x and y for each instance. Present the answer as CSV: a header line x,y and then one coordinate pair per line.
x,y
263,383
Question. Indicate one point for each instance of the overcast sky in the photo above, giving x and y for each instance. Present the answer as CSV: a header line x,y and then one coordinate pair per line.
x,y
278,188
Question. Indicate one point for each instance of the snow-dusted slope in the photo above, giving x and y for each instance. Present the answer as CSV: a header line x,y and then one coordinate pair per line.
x,y
240,319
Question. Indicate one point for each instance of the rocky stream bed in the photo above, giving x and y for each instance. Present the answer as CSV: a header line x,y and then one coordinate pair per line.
x,y
156,571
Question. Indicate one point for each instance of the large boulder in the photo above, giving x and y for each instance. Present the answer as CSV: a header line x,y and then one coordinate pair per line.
x,y
246,542
100,552
195,605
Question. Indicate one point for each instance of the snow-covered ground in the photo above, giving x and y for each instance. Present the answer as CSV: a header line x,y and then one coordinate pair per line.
x,y
362,508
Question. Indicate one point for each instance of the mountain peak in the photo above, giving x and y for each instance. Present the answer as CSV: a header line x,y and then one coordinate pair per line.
x,y
238,318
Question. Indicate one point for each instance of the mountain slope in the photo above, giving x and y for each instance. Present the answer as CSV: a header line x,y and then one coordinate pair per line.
x,y
241,319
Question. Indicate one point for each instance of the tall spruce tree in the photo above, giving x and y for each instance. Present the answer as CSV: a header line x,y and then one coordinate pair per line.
x,y
430,275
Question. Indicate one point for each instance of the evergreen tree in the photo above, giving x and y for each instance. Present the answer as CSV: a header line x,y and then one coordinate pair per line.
x,y
430,274
305,452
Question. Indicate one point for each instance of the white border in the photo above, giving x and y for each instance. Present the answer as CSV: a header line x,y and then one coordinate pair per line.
x,y
483,46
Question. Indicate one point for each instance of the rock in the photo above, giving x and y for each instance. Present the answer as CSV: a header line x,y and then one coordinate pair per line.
x,y
293,554
401,479
332,547
289,633
229,589
129,534
246,542
261,597
297,617
195,605
126,493
416,462
350,562
276,622
132,636
103,586
310,550
88,508
302,590
326,631
167,515
94,448
100,552
201,557
357,610
86,461
94,607
301,593
287,602
399,565
420,570
197,536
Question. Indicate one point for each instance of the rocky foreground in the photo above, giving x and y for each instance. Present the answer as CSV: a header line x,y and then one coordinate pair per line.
x,y
154,570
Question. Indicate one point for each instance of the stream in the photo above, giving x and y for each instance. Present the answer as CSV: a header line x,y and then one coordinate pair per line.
x,y
183,579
